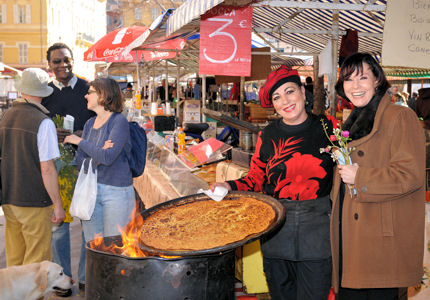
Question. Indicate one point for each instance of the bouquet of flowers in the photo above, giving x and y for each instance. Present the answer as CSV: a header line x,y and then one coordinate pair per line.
x,y
66,170
339,150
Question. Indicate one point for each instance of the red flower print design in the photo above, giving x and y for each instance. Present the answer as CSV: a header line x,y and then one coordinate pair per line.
x,y
284,149
299,183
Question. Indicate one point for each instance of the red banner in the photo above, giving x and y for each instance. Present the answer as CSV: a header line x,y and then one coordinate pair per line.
x,y
225,41
174,44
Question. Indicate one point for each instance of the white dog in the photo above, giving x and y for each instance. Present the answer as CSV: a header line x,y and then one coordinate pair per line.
x,y
33,281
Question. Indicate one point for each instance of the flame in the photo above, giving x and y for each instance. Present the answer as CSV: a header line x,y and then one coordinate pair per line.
x,y
130,237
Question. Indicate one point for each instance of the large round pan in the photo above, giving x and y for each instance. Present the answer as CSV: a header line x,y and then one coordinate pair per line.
x,y
277,206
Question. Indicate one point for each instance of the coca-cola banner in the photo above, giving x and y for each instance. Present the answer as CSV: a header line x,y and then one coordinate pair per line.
x,y
173,44
225,41
110,47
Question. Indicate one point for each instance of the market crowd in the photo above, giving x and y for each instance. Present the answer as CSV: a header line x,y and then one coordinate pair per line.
x,y
355,228
37,193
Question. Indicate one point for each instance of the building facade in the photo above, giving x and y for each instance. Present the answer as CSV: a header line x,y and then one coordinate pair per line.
x,y
124,13
29,27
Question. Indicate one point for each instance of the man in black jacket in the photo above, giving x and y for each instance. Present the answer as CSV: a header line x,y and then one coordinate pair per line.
x,y
67,99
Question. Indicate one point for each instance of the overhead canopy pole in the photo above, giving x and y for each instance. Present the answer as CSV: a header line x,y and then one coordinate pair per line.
x,y
166,83
145,71
137,71
178,76
153,83
334,60
203,87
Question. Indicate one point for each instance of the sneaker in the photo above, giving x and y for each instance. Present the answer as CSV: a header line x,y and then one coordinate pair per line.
x,y
64,293
82,286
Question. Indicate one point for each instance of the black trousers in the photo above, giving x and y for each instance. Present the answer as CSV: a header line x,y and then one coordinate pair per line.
x,y
368,294
298,280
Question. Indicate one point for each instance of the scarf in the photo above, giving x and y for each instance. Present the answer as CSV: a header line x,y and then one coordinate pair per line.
x,y
360,121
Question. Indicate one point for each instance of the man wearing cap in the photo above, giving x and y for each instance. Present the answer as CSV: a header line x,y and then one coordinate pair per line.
x,y
28,147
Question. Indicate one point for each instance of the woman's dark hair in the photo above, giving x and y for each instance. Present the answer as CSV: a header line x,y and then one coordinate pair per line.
x,y
360,121
110,94
354,63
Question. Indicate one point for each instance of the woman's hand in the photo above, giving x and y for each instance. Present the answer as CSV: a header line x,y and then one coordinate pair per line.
x,y
348,172
62,133
72,139
222,184
108,144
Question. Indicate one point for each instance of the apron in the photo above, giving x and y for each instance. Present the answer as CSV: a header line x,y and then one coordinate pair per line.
x,y
305,235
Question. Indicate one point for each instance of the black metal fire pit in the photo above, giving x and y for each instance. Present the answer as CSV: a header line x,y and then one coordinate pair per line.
x,y
206,277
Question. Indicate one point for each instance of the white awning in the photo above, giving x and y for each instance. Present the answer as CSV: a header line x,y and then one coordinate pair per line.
x,y
187,12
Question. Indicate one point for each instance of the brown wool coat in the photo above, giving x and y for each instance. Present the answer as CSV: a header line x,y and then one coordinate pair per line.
x,y
383,225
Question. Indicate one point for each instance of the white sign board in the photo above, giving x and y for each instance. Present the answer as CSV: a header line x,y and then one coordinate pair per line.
x,y
406,41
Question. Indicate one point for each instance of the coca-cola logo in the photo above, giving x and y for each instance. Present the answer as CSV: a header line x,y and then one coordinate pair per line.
x,y
113,52
159,54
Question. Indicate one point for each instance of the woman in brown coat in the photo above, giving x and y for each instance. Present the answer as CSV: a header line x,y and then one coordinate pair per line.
x,y
377,235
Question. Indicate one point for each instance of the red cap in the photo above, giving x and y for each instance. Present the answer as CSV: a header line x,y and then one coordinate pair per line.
x,y
275,79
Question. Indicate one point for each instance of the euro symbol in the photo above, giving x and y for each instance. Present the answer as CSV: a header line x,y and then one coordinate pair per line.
x,y
241,24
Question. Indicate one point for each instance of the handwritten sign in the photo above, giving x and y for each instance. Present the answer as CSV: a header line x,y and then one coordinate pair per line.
x,y
406,41
225,41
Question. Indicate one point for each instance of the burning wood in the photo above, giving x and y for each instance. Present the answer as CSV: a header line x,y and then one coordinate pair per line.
x,y
130,237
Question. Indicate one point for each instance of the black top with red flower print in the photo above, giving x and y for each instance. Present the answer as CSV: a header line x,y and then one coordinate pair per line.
x,y
287,163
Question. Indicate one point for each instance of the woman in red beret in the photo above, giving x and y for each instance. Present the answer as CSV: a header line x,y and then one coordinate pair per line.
x,y
287,165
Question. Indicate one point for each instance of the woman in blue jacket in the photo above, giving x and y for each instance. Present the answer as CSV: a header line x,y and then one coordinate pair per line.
x,y
106,140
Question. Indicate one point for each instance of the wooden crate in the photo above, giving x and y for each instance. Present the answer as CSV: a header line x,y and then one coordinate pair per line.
x,y
255,113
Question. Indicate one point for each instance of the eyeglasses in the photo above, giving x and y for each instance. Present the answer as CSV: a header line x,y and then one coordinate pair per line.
x,y
91,92
66,60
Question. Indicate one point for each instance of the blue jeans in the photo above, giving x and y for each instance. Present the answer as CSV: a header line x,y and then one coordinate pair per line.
x,y
60,245
112,210
82,259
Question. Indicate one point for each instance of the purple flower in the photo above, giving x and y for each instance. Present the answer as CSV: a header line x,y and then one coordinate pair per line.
x,y
345,133
332,138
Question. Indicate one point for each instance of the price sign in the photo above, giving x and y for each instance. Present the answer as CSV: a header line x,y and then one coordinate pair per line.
x,y
225,41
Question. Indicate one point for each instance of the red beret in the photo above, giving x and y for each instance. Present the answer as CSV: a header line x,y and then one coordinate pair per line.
x,y
275,79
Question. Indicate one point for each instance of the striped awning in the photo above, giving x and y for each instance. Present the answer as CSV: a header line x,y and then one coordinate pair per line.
x,y
304,24
310,29
188,12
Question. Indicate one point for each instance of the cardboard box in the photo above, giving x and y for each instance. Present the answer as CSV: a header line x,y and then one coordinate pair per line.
x,y
191,111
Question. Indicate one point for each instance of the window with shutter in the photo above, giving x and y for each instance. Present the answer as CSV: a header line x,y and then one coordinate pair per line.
x,y
154,13
23,53
3,12
138,13
28,14
15,13
21,12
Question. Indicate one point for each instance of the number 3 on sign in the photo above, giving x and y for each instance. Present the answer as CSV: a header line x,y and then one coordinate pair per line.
x,y
220,32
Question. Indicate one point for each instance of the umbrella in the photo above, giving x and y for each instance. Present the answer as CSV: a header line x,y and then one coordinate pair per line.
x,y
110,47
170,44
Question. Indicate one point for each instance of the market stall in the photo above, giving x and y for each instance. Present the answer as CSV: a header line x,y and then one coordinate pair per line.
x,y
311,27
